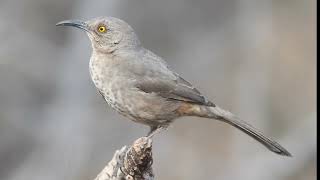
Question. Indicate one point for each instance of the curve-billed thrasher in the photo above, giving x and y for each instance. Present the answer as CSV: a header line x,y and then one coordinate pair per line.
x,y
141,86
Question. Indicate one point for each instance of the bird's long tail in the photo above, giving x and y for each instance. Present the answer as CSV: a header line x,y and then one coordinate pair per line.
x,y
225,116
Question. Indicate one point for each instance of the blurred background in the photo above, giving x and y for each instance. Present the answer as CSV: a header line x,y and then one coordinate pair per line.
x,y
254,58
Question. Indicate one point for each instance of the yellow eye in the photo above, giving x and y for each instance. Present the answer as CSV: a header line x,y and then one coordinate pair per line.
x,y
102,29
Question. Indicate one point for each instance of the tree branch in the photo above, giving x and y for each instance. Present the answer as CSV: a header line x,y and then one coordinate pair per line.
x,y
134,163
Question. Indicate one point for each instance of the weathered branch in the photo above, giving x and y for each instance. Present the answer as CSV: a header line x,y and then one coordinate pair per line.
x,y
134,163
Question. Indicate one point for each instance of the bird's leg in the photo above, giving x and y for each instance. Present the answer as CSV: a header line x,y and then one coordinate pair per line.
x,y
155,130
152,129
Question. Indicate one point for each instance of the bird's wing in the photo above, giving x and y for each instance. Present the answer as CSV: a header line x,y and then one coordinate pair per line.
x,y
177,89
155,76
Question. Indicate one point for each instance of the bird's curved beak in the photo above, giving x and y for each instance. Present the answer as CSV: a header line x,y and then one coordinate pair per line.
x,y
75,23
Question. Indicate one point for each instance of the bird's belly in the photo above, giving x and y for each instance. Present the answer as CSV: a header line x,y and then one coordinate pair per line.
x,y
114,103
140,107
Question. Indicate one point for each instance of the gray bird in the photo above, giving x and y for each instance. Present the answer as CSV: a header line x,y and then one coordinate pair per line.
x,y
141,86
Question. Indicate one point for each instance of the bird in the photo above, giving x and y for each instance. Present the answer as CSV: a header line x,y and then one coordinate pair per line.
x,y
141,86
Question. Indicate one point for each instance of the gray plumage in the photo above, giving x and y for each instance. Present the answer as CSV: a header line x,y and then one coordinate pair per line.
x,y
141,86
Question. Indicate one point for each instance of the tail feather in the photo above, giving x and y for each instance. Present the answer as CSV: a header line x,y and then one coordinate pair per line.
x,y
225,116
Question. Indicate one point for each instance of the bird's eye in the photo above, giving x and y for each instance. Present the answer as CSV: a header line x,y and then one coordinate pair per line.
x,y
102,29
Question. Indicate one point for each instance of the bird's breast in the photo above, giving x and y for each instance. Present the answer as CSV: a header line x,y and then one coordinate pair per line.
x,y
109,79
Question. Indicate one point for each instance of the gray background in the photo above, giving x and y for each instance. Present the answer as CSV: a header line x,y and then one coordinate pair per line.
x,y
254,58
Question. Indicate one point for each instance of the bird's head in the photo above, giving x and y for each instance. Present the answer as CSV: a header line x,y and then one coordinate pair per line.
x,y
107,34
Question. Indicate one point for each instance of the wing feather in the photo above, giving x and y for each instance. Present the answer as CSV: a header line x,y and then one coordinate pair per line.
x,y
179,90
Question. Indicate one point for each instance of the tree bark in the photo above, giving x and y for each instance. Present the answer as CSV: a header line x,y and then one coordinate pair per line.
x,y
133,163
